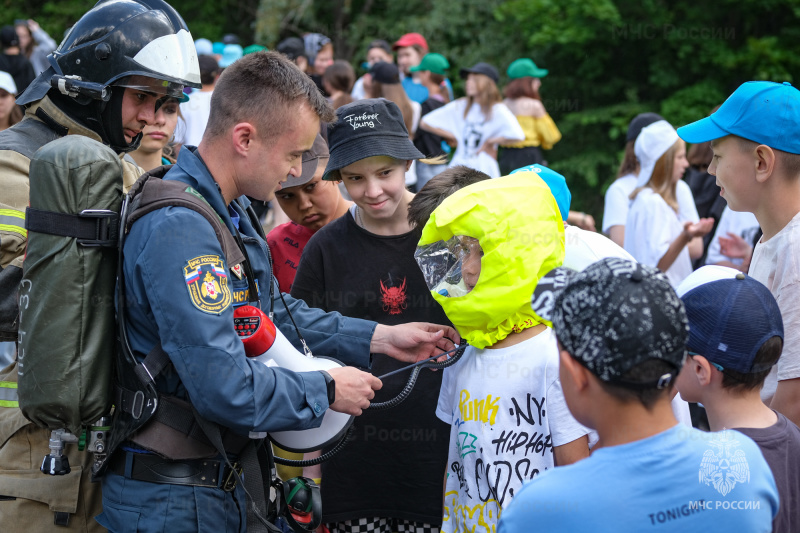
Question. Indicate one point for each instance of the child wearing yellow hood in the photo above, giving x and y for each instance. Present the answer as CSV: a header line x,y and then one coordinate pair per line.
x,y
482,253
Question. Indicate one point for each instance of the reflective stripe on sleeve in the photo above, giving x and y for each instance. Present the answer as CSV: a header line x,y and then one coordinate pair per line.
x,y
8,394
13,221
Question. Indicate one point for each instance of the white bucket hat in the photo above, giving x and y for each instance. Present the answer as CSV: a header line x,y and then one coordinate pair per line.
x,y
651,144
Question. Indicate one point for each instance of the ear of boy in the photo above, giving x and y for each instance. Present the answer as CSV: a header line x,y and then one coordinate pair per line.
x,y
765,162
703,371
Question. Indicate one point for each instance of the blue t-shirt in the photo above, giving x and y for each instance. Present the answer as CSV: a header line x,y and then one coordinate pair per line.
x,y
679,480
415,91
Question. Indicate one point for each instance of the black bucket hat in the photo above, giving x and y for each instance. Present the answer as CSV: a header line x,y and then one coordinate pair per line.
x,y
481,68
367,128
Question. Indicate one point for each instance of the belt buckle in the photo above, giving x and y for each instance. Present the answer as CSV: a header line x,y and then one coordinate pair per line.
x,y
231,479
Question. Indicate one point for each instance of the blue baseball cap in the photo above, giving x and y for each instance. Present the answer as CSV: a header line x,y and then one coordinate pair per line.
x,y
731,315
760,111
557,184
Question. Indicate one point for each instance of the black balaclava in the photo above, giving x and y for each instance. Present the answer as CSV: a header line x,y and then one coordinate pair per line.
x,y
103,118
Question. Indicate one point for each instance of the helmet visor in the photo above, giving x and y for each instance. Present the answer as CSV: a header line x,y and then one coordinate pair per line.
x,y
154,86
452,267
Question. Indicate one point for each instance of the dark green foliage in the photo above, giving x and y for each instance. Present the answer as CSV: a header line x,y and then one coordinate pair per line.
x,y
608,59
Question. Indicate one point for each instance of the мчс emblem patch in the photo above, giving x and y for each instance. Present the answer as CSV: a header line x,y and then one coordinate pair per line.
x,y
207,283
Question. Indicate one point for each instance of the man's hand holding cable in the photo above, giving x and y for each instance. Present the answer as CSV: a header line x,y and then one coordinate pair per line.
x,y
354,389
414,341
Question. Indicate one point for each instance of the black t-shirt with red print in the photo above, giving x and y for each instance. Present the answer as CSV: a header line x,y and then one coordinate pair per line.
x,y
394,465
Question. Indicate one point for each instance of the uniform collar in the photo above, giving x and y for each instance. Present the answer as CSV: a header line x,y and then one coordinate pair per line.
x,y
62,119
197,175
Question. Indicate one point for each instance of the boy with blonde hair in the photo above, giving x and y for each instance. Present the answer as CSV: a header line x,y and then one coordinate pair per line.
x,y
755,137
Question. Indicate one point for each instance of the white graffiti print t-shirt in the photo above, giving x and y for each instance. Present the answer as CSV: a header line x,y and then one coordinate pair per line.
x,y
506,411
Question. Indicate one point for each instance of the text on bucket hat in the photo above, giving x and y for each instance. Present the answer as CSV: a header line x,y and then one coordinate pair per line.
x,y
481,68
556,182
411,39
617,314
523,68
760,111
367,128
731,316
651,144
433,62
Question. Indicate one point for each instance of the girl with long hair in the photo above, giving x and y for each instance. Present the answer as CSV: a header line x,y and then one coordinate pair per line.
x,y
522,98
477,123
656,233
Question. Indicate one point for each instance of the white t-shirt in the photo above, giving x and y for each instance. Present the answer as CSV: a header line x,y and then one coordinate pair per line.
x,y
358,92
506,411
776,264
650,229
739,223
615,212
473,131
195,117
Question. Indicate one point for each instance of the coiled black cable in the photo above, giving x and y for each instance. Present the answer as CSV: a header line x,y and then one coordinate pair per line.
x,y
322,458
405,393
412,379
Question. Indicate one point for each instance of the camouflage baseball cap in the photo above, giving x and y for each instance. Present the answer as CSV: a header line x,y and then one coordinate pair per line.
x,y
617,314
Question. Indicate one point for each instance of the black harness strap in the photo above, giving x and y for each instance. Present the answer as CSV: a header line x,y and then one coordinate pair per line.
x,y
90,227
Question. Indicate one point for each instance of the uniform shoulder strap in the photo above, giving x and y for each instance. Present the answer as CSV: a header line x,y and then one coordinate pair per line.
x,y
150,193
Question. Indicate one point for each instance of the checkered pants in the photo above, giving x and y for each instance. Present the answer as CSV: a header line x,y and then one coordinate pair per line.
x,y
381,525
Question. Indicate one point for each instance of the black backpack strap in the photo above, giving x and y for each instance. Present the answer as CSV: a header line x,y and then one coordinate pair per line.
x,y
91,227
253,461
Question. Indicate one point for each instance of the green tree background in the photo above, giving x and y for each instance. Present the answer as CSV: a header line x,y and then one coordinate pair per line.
x,y
608,59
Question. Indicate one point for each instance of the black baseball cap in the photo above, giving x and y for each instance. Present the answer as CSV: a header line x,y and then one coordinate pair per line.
x,y
617,314
639,122
481,68
386,73
311,158
367,128
292,47
8,36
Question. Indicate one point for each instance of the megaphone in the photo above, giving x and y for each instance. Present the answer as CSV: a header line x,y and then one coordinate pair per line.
x,y
265,343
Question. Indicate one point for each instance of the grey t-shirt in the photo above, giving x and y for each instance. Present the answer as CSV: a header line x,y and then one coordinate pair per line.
x,y
780,444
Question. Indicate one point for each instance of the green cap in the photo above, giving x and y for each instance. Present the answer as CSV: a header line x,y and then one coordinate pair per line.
x,y
253,48
521,68
435,63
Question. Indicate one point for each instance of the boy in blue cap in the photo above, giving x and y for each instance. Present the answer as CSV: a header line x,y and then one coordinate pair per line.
x,y
755,137
735,337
